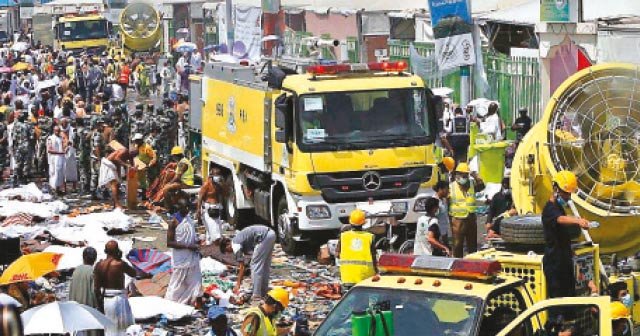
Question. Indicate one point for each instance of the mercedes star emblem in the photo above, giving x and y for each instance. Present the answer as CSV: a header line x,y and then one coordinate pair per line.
x,y
371,181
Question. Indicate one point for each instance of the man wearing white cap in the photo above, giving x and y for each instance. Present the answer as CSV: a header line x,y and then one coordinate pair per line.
x,y
148,156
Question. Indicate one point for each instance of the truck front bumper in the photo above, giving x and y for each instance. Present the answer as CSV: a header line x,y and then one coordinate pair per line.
x,y
314,214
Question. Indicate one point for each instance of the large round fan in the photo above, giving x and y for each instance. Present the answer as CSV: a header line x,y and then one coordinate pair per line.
x,y
594,131
140,26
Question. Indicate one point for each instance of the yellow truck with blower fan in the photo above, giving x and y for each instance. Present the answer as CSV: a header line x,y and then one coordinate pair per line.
x,y
590,127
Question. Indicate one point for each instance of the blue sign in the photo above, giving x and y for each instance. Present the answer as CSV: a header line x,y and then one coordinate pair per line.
x,y
447,8
452,28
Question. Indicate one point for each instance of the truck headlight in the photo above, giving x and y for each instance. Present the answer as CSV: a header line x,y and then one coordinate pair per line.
x,y
318,212
420,205
399,207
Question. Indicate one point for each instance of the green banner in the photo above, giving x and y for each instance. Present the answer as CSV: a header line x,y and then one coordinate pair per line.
x,y
555,10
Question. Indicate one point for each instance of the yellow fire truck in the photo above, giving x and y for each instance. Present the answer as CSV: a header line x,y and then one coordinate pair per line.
x,y
425,295
302,150
82,32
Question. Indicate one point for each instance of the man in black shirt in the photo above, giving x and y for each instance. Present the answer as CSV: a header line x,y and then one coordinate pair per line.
x,y
501,204
522,125
558,232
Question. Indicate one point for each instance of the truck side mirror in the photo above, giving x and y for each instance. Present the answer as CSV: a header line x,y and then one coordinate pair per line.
x,y
283,118
435,104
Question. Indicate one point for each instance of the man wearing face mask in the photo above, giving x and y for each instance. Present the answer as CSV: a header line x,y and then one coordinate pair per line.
x,y
558,230
464,222
261,321
209,205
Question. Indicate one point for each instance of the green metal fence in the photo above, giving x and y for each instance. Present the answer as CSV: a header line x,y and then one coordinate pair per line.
x,y
513,81
400,51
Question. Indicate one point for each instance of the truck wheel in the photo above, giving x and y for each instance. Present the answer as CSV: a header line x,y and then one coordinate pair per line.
x,y
285,230
238,218
522,230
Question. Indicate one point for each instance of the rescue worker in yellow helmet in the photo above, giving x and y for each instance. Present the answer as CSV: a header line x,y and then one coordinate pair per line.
x,y
261,320
183,178
356,251
462,208
559,229
620,323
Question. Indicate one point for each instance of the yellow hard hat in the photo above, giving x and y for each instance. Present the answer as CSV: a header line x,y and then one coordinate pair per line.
x,y
357,217
70,59
618,310
449,163
566,181
463,167
281,295
177,150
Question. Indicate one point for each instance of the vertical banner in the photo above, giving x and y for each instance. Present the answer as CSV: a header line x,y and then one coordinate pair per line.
x,y
452,27
555,11
247,33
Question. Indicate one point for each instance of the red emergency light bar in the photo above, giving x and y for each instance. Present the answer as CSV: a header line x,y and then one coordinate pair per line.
x,y
346,68
430,265
388,66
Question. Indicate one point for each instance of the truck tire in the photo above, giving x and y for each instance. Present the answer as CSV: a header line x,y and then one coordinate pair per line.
x,y
522,230
285,231
237,218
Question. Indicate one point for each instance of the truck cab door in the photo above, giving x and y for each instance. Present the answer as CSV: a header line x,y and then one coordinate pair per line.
x,y
571,315
282,135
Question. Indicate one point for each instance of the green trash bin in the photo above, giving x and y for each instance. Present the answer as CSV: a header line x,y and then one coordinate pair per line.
x,y
491,160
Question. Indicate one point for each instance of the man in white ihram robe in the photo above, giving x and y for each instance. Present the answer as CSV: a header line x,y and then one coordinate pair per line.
x,y
57,160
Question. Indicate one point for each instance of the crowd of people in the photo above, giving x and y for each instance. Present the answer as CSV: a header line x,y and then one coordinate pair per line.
x,y
60,116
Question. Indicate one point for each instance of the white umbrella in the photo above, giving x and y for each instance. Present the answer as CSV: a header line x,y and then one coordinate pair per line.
x,y
63,317
442,91
481,105
8,300
20,46
45,84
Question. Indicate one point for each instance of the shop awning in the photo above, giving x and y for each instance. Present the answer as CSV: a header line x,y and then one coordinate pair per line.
x,y
525,14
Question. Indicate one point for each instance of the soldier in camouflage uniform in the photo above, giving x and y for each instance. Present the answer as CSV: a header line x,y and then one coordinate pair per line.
x,y
120,129
97,153
4,142
138,122
153,140
164,143
45,125
84,150
31,154
22,138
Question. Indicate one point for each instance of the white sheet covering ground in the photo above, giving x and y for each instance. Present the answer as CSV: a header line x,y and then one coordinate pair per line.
x,y
29,192
26,232
72,256
211,265
146,307
43,210
115,219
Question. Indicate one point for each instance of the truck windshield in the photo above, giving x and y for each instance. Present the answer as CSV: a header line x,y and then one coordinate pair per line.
x,y
363,119
82,30
412,311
